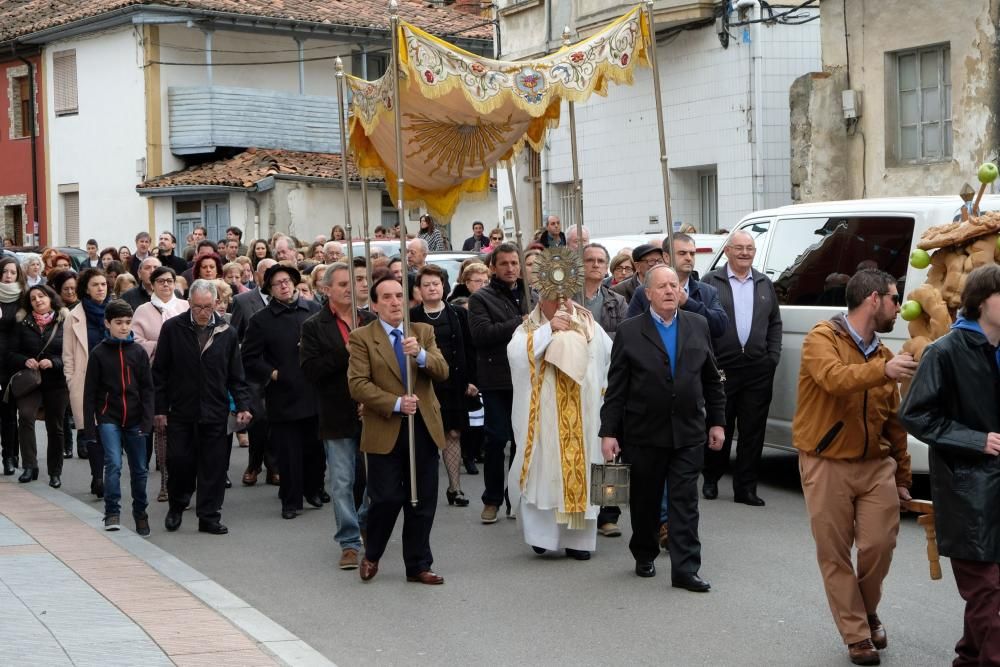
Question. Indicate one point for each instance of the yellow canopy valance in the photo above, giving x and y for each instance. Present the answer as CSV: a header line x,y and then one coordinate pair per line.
x,y
461,114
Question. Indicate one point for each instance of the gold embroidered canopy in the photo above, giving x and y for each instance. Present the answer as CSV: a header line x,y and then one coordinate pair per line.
x,y
461,114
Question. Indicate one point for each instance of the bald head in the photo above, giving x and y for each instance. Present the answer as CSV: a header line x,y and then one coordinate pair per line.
x,y
571,240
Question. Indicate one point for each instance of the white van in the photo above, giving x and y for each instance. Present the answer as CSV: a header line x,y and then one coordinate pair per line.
x,y
801,248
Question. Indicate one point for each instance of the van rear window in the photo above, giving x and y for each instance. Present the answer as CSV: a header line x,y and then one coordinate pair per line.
x,y
811,259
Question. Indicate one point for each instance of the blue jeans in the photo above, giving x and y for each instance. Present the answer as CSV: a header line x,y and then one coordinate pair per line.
x,y
664,506
341,458
115,439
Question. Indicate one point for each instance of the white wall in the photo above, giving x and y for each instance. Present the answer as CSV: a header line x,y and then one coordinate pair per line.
x,y
99,146
707,97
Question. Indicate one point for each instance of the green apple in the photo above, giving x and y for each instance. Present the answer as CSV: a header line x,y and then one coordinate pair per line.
x,y
910,311
920,259
988,172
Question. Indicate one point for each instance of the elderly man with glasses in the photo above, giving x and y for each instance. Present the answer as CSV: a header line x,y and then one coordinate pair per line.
x,y
748,352
644,257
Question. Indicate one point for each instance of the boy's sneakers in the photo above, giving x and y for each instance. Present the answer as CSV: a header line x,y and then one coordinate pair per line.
x,y
112,522
142,525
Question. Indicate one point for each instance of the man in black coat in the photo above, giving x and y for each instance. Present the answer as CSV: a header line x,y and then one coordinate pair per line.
x,y
664,391
143,292
748,351
495,312
952,406
167,246
196,369
324,357
475,242
271,357
245,306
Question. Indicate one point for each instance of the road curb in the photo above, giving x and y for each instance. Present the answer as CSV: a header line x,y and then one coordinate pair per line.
x,y
272,637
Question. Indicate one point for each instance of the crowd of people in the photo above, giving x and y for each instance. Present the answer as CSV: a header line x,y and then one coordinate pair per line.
x,y
287,349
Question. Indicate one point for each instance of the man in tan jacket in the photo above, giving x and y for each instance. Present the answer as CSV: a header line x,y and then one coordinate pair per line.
x,y
376,378
852,454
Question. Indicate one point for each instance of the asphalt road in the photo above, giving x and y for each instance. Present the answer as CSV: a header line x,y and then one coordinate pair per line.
x,y
501,604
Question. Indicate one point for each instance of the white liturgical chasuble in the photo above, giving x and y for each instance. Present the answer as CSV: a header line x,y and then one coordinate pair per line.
x,y
559,381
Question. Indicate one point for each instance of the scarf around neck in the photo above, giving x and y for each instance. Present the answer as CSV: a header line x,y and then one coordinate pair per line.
x,y
167,309
95,320
43,320
10,292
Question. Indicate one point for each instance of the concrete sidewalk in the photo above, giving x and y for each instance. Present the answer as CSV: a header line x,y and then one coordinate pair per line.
x,y
73,594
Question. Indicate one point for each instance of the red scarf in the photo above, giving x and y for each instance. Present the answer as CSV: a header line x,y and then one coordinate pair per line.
x,y
43,320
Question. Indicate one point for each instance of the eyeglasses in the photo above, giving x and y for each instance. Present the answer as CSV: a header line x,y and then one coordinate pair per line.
x,y
743,248
164,281
651,261
496,238
203,308
622,268
281,283
896,298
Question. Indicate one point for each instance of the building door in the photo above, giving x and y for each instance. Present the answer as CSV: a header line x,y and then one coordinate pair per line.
x,y
17,218
216,218
212,214
708,194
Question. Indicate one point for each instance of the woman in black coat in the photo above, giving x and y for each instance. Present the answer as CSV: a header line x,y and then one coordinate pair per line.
x,y
451,332
11,292
39,346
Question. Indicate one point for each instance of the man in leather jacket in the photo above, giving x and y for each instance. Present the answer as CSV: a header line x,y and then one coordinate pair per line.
x,y
952,406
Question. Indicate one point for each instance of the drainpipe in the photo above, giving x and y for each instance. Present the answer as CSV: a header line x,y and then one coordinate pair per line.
x,y
31,131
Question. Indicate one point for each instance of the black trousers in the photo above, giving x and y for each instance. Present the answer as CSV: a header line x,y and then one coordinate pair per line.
x,y
54,398
471,442
389,491
748,398
8,429
497,405
679,467
196,454
261,450
301,459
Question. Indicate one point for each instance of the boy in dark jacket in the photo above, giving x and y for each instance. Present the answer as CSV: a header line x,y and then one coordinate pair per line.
x,y
118,401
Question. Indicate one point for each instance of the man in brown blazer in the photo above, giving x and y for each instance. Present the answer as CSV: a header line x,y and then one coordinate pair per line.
x,y
376,380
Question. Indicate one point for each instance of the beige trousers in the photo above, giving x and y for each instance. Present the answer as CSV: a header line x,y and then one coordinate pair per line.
x,y
852,503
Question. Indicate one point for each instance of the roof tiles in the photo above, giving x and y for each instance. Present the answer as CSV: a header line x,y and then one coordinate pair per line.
x,y
23,17
254,164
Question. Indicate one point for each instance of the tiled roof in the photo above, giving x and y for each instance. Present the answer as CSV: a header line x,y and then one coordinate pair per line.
x,y
23,17
255,164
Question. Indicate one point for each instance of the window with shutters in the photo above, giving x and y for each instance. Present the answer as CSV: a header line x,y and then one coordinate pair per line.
x,y
919,105
71,217
64,80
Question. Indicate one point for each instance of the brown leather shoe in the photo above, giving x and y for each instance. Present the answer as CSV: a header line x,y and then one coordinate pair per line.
x,y
348,559
368,569
489,514
250,477
273,478
243,439
863,653
879,638
664,533
426,577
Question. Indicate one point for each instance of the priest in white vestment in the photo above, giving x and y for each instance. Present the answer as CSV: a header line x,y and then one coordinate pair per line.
x,y
559,366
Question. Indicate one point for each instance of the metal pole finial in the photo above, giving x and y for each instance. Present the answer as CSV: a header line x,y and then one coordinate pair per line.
x,y
338,66
393,7
566,35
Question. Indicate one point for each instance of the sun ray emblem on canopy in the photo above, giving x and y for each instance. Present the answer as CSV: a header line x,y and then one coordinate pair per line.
x,y
455,147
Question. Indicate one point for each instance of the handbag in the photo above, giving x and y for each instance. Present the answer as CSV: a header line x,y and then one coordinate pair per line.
x,y
27,380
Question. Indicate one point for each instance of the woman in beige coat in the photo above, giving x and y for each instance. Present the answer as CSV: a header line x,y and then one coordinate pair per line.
x,y
84,330
146,324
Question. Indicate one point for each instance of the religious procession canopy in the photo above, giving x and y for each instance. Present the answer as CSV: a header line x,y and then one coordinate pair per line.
x,y
461,114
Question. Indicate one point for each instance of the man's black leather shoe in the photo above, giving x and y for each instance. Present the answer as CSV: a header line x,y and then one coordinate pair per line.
x,y
9,467
324,496
578,554
212,528
315,501
289,514
710,490
749,499
173,520
691,582
645,569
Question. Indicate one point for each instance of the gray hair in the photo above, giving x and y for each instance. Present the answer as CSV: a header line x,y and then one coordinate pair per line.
x,y
327,279
649,274
202,285
422,244
29,258
600,247
145,262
